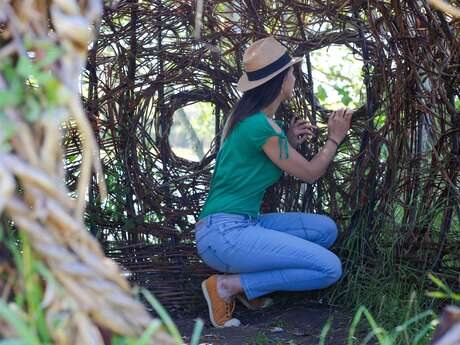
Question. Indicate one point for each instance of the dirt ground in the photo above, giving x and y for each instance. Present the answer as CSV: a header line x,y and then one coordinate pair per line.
x,y
298,321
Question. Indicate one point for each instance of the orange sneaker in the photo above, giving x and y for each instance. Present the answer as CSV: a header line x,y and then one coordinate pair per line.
x,y
220,311
256,303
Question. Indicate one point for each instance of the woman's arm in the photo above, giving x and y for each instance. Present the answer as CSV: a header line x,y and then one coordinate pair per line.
x,y
296,164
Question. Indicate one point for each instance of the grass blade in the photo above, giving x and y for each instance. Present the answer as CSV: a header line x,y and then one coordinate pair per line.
x,y
163,314
324,331
197,329
27,335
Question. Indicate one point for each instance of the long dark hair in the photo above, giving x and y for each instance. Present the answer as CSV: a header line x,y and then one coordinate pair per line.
x,y
253,101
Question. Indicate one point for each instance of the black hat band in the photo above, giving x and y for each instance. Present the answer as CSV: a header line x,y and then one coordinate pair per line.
x,y
269,69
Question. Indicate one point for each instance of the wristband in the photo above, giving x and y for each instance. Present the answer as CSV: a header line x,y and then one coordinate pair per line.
x,y
335,142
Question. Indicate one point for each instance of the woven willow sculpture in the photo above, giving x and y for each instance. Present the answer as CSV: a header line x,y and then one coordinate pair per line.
x,y
39,85
395,179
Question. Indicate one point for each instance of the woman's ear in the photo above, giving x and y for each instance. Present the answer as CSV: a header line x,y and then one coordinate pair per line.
x,y
285,87
288,83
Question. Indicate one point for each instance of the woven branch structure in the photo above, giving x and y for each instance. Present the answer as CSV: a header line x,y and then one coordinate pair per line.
x,y
394,183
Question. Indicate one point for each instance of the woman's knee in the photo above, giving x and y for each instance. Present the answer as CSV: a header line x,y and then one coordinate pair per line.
x,y
333,269
325,228
330,231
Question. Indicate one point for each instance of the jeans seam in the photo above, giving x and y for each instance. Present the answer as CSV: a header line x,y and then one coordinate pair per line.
x,y
228,245
213,252
304,231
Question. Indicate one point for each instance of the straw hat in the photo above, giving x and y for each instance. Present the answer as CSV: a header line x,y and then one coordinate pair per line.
x,y
264,59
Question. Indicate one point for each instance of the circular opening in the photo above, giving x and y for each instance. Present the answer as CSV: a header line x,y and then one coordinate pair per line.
x,y
193,130
337,77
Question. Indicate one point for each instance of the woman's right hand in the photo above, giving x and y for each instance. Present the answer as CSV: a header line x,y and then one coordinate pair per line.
x,y
339,124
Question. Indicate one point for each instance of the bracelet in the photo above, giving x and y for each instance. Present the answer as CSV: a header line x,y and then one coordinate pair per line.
x,y
335,142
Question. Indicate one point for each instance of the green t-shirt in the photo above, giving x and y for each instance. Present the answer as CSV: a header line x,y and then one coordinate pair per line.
x,y
243,171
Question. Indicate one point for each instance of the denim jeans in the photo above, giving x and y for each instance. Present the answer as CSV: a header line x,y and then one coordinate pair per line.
x,y
271,252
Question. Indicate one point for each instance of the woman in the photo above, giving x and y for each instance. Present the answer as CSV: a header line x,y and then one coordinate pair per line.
x,y
267,252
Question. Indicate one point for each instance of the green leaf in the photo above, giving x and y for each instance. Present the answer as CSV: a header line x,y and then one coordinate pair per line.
x,y
51,55
44,77
4,98
9,72
12,97
72,158
56,93
16,92
33,109
7,131
52,90
220,8
25,67
346,99
321,93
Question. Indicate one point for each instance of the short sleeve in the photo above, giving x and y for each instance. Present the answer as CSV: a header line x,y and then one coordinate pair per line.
x,y
259,130
280,123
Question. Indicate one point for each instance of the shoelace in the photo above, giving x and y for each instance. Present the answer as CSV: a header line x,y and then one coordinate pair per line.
x,y
229,308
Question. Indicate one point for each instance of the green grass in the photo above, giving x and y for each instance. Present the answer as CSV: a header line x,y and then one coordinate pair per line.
x,y
387,294
396,318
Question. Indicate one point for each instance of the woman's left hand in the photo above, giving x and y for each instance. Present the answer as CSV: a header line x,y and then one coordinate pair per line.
x,y
298,131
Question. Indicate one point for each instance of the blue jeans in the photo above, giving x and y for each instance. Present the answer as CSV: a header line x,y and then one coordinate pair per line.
x,y
271,252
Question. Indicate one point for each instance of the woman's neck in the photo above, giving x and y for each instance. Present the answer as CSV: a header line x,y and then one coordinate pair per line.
x,y
270,110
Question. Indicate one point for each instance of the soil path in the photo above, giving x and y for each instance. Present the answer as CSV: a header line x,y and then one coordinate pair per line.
x,y
291,323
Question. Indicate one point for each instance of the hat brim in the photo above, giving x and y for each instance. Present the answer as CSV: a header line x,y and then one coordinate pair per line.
x,y
244,84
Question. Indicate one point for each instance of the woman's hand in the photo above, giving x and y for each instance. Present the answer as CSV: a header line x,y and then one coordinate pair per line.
x,y
298,131
339,124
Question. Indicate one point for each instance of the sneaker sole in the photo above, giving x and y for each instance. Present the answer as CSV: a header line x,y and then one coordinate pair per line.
x,y
208,300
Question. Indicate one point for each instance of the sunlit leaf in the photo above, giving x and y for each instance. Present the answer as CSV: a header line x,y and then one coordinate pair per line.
x,y
321,93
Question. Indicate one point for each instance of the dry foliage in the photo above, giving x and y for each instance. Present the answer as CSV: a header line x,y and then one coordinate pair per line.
x,y
90,292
